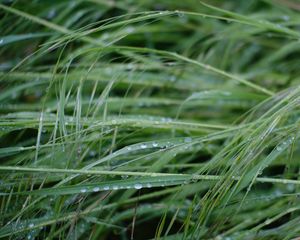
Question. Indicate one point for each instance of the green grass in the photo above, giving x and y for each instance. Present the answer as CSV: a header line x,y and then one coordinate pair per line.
x,y
149,119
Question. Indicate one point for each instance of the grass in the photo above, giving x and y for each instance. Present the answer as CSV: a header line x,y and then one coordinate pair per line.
x,y
142,120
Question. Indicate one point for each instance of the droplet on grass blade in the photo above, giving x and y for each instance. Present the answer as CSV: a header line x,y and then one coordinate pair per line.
x,y
279,148
143,146
138,186
187,139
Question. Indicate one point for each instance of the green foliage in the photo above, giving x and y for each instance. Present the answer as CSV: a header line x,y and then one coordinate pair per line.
x,y
146,120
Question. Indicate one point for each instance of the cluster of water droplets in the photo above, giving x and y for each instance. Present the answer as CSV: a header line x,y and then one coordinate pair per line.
x,y
136,186
285,144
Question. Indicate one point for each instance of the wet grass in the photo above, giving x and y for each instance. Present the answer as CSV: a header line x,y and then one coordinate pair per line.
x,y
135,120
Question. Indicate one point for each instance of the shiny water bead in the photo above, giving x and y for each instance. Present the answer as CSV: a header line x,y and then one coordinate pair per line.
x,y
279,148
138,186
187,139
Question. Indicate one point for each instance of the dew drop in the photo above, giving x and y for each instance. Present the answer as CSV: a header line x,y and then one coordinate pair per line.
x,y
115,187
278,148
138,186
83,190
143,146
130,29
1,41
172,79
180,14
149,185
106,188
279,25
187,139
290,187
155,144
285,18
51,14
225,93
31,225
96,189
92,153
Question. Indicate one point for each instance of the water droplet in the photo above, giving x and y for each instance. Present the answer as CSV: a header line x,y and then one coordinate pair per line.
x,y
279,148
115,187
285,18
106,188
149,185
225,93
1,41
92,153
128,148
278,193
268,221
155,144
187,139
143,146
113,121
31,225
51,14
129,66
279,25
138,186
180,14
129,29
290,187
96,189
83,190
172,79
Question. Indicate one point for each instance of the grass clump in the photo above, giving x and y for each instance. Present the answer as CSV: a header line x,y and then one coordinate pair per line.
x,y
135,120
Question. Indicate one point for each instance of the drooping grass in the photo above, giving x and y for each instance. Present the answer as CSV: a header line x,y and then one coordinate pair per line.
x,y
144,120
